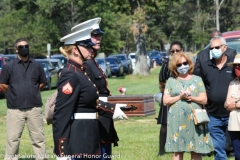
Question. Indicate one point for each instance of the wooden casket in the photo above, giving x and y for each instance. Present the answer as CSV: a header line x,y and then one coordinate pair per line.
x,y
144,104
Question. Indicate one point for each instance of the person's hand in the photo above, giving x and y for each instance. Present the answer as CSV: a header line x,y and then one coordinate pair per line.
x,y
230,104
118,113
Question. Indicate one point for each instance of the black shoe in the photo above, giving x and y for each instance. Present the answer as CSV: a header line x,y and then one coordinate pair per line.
x,y
160,154
230,154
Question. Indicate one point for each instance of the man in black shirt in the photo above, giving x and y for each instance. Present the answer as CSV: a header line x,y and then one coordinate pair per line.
x,y
22,80
205,55
216,76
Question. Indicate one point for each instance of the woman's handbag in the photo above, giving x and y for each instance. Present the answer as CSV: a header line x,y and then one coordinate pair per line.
x,y
199,116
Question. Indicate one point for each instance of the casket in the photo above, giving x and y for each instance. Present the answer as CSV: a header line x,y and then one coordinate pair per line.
x,y
144,104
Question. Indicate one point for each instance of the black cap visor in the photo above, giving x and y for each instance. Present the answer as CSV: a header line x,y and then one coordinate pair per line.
x,y
85,43
97,31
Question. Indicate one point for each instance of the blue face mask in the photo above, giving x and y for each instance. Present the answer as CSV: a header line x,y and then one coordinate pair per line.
x,y
183,69
216,53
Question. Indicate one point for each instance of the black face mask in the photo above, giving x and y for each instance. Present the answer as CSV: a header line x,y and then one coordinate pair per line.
x,y
24,52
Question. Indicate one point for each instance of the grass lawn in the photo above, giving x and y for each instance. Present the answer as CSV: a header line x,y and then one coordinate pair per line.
x,y
138,135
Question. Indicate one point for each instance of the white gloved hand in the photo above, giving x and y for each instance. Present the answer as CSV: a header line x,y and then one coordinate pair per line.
x,y
118,113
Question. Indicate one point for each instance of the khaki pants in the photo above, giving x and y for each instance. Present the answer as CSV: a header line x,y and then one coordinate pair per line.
x,y
16,119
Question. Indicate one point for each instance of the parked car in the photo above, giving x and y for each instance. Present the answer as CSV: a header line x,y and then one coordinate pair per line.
x,y
10,56
59,56
164,56
115,65
51,73
126,62
56,63
158,57
3,61
131,56
105,66
232,39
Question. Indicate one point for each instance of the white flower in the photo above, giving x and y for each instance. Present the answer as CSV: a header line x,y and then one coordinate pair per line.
x,y
180,127
191,144
175,138
192,87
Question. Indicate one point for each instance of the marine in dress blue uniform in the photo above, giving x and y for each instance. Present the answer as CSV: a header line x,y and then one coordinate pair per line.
x,y
107,131
75,123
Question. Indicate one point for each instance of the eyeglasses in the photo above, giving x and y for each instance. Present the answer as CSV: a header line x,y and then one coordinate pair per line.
x,y
180,64
173,51
217,47
23,46
236,65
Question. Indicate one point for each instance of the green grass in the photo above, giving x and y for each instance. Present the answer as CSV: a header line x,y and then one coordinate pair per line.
x,y
138,135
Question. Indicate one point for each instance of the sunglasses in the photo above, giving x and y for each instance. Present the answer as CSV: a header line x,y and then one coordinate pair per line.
x,y
236,65
180,64
23,46
217,47
173,51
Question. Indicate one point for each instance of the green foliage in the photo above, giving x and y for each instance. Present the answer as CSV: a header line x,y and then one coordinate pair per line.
x,y
43,22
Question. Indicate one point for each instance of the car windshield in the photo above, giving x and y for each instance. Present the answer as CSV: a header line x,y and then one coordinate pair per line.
x,y
121,58
163,54
100,61
154,54
112,61
234,43
63,59
55,64
132,56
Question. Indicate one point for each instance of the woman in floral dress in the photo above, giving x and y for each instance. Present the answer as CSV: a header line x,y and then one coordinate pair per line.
x,y
182,89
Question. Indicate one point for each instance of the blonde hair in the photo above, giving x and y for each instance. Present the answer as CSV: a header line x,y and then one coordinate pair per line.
x,y
66,50
177,59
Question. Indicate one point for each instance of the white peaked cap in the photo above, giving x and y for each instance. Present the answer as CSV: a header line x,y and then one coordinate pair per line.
x,y
93,23
81,35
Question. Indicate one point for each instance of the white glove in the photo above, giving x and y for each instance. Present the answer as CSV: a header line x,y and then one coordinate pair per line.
x,y
118,113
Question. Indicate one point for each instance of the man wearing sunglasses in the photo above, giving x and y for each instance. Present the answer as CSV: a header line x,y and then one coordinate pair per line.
x,y
217,75
205,55
22,80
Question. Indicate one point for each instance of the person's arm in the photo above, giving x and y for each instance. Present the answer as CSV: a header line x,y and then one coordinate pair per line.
x,y
230,101
41,86
42,78
197,66
200,99
163,77
4,87
168,100
5,77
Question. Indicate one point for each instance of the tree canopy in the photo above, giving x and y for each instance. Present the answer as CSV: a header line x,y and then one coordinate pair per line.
x,y
43,21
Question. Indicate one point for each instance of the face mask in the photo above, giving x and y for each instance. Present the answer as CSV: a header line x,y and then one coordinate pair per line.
x,y
216,53
183,69
24,52
237,71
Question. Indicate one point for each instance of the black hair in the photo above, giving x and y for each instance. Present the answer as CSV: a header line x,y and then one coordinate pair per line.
x,y
176,43
19,40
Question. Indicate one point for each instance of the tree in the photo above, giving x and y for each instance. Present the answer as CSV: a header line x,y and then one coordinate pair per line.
x,y
218,6
138,29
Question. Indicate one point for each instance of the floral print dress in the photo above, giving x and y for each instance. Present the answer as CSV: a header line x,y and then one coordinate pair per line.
x,y
182,134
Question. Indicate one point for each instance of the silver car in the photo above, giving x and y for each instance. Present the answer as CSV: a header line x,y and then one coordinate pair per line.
x,y
104,66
